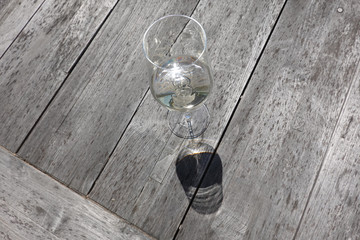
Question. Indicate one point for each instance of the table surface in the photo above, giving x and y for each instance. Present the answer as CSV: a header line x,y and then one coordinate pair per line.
x,y
87,153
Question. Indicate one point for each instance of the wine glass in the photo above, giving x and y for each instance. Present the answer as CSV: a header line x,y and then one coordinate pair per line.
x,y
175,47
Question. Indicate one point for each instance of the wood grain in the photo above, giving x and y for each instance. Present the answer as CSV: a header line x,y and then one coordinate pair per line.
x,y
280,132
16,226
37,63
34,206
7,233
333,211
14,15
82,126
140,182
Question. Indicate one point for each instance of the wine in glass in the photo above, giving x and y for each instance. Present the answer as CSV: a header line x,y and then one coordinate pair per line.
x,y
175,47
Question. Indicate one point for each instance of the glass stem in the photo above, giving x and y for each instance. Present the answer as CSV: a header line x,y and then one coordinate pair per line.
x,y
188,120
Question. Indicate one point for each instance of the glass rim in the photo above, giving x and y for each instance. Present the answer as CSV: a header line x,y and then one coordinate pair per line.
x,y
168,16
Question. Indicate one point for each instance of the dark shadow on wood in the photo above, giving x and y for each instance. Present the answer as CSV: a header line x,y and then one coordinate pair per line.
x,y
190,167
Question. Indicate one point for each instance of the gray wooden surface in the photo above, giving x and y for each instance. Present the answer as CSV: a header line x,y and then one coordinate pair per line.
x,y
36,64
82,126
14,15
279,136
333,211
35,206
140,182
8,233
280,157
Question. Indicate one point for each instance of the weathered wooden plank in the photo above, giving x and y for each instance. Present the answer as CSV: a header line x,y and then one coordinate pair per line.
x,y
14,15
35,206
7,233
36,64
334,208
140,182
280,132
81,128
17,226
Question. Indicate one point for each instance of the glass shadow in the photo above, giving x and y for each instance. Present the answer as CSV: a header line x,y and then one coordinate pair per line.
x,y
190,166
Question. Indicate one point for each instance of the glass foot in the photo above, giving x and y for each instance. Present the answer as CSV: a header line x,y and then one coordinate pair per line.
x,y
189,124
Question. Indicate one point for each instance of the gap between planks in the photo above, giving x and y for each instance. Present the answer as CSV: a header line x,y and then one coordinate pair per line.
x,y
132,116
22,29
78,193
228,123
67,73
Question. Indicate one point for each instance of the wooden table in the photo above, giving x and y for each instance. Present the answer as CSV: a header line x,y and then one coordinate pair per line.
x,y
87,153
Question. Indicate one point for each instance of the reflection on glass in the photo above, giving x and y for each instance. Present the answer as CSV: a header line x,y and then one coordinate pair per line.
x,y
175,47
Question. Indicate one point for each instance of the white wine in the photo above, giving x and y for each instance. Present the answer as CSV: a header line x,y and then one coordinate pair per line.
x,y
182,83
